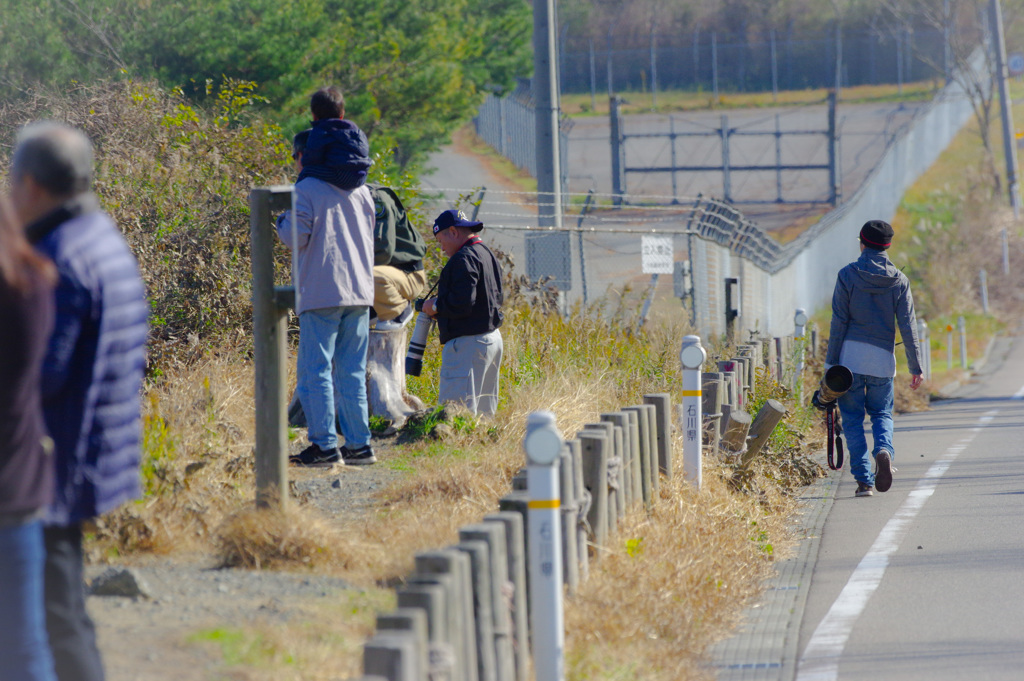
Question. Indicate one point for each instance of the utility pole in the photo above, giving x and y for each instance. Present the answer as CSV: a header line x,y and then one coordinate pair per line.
x,y
545,98
1002,76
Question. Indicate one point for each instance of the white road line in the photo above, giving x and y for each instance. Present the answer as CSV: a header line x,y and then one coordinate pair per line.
x,y
820,661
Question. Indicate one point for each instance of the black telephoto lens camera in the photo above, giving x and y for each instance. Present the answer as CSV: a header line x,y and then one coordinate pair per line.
x,y
418,342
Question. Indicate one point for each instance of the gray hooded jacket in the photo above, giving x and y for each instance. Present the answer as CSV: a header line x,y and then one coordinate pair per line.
x,y
871,297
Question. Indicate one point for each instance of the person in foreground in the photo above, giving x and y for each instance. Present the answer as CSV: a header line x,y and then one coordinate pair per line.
x,y
870,300
92,374
332,230
26,464
468,312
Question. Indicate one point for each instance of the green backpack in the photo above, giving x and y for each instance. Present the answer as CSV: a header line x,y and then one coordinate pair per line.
x,y
395,241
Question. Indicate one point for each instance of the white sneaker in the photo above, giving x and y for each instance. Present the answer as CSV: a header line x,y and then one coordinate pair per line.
x,y
398,322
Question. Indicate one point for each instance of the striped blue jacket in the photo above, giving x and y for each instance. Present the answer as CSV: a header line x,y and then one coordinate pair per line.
x,y
92,375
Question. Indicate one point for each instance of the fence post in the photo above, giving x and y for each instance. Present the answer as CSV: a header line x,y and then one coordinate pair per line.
x,y
543,445
269,320
724,133
834,190
618,155
962,327
692,357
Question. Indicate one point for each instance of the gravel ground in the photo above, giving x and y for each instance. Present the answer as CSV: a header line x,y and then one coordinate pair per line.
x,y
147,638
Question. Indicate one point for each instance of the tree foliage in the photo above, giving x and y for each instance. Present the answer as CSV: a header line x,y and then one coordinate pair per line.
x,y
412,70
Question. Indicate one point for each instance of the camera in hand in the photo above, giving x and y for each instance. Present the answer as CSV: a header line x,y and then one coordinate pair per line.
x,y
836,381
418,342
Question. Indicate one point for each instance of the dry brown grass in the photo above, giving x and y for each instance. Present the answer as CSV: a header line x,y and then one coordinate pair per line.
x,y
675,581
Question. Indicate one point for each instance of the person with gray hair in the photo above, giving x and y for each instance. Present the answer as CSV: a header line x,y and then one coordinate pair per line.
x,y
92,371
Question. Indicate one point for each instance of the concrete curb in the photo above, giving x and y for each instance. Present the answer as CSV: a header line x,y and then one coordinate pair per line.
x,y
765,648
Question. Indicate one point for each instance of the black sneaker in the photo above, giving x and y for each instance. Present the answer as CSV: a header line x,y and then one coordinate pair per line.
x,y
883,475
360,456
313,456
863,490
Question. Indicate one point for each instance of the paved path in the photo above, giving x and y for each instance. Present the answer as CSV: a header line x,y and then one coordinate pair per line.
x,y
925,581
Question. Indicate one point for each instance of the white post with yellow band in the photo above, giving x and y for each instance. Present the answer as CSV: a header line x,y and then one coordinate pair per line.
x,y
543,445
692,357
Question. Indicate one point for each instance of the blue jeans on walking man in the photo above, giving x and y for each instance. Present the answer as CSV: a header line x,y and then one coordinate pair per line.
x,y
338,337
871,395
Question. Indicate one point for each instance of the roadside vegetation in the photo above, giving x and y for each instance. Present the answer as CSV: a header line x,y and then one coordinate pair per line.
x,y
176,179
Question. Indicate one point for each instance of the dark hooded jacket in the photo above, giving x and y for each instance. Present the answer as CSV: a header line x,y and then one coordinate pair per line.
x,y
871,298
336,152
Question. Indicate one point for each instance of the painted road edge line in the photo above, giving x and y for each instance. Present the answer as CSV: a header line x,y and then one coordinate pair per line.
x,y
820,661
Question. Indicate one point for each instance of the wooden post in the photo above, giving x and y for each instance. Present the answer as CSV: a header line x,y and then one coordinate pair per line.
x,y
270,330
764,423
734,440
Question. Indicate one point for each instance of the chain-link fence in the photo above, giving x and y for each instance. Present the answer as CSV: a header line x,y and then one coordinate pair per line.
x,y
751,62
622,250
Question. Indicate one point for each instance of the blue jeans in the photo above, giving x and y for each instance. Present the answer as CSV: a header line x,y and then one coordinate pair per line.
x,y
24,646
338,336
874,396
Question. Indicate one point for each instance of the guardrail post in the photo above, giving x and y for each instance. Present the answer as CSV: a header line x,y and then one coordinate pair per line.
x,y
692,357
543,445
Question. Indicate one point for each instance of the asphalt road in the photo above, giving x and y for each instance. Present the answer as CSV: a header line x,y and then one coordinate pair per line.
x,y
926,581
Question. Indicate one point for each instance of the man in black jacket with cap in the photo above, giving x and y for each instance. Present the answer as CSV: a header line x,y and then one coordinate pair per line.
x,y
468,313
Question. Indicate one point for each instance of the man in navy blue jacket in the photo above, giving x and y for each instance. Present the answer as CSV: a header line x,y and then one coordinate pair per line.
x,y
871,298
92,374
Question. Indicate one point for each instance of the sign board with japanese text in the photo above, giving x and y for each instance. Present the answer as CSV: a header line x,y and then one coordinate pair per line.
x,y
657,254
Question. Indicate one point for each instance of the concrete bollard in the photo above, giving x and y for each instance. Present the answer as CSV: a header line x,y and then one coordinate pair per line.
x,y
414,622
662,403
493,535
456,565
652,447
392,656
432,600
544,445
570,566
515,556
631,459
480,571
582,506
692,357
640,454
711,405
594,455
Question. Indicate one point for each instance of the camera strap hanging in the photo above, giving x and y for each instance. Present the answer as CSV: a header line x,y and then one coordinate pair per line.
x,y
835,439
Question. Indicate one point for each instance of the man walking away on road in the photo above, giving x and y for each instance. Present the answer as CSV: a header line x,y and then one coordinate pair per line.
x,y
871,298
92,374
333,231
468,313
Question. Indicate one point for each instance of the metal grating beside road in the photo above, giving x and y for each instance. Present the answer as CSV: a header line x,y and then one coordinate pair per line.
x,y
765,649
